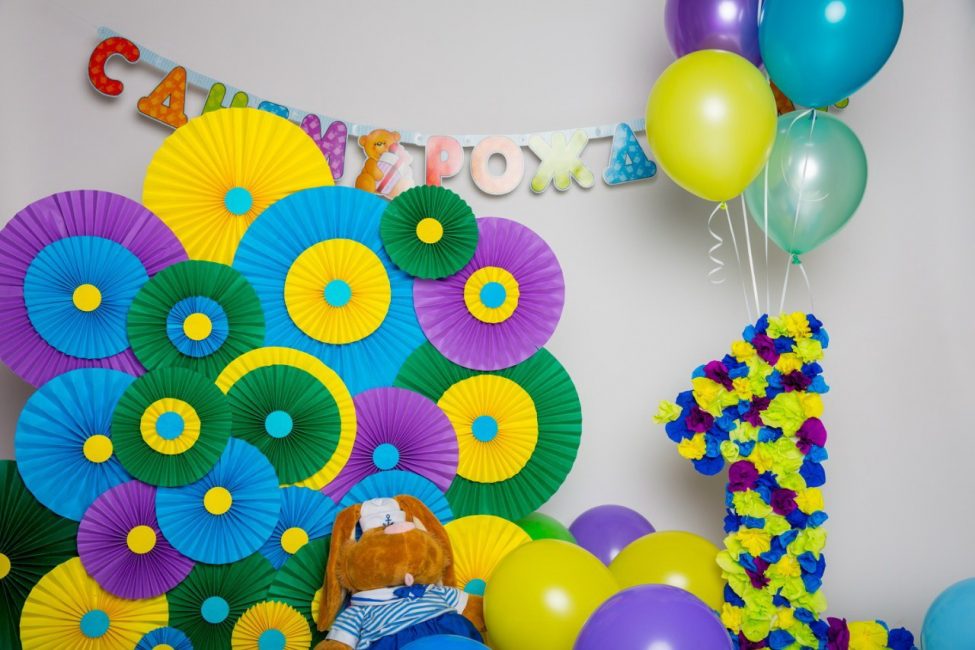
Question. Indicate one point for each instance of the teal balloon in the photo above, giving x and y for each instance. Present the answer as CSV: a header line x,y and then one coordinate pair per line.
x,y
819,52
950,623
816,176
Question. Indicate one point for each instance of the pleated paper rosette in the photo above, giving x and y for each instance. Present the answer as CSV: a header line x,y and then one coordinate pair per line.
x,y
299,582
216,174
502,307
64,440
398,429
429,231
480,542
195,315
518,429
165,638
207,605
72,264
395,482
271,624
306,515
122,548
69,611
33,540
297,433
327,285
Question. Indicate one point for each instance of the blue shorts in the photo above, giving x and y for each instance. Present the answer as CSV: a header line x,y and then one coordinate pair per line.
x,y
449,623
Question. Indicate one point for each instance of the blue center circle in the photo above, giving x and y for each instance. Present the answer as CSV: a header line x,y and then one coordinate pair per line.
x,y
338,293
278,424
485,428
238,201
385,456
475,587
493,295
170,425
271,640
215,610
94,624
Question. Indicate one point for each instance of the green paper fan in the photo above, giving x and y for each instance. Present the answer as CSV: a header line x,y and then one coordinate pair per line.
x,y
429,232
197,315
289,416
170,427
559,417
33,540
299,582
208,603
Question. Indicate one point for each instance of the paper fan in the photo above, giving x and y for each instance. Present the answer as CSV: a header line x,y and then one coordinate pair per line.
x,y
196,315
327,285
170,426
479,543
67,610
271,626
429,231
71,264
493,433
33,540
122,548
64,432
214,175
208,603
165,638
337,440
226,515
299,582
499,309
394,483
398,429
306,515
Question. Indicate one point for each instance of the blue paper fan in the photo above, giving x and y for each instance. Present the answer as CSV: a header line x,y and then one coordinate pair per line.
x,y
395,482
298,223
226,515
166,637
63,440
306,515
219,324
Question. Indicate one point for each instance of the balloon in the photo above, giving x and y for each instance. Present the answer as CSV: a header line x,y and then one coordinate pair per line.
x,y
541,593
654,616
711,122
821,51
605,530
673,558
445,642
818,171
949,624
730,25
539,526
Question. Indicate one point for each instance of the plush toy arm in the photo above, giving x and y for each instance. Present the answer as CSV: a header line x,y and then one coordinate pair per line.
x,y
474,612
329,644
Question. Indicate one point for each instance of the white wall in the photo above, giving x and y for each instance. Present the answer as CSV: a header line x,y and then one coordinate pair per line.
x,y
895,289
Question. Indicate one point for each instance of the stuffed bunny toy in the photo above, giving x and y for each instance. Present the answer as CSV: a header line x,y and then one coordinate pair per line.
x,y
396,580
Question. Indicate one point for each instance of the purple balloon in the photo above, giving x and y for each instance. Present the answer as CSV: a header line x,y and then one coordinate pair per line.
x,y
606,530
730,25
654,616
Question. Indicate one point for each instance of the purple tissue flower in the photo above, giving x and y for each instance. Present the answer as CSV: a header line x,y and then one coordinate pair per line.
x,y
795,380
783,501
754,414
765,347
698,421
812,432
742,476
838,637
718,372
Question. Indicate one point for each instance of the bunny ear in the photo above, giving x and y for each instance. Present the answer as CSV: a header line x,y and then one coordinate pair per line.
x,y
417,511
343,533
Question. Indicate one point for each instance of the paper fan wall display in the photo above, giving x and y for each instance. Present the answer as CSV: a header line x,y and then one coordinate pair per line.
x,y
271,625
165,638
69,611
306,515
396,482
72,264
64,441
33,540
327,285
499,309
299,582
398,429
213,176
480,542
296,410
196,315
517,429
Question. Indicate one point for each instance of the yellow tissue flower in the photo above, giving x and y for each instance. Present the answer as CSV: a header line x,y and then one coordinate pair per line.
x,y
810,500
784,618
711,396
788,567
809,350
666,412
750,503
754,540
743,387
692,448
788,363
867,635
762,458
744,432
742,350
797,325
809,539
729,451
777,327
731,617
776,524
788,411
812,404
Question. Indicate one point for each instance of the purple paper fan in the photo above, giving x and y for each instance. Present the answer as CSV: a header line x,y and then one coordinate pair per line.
x,y
71,214
477,345
398,429
103,544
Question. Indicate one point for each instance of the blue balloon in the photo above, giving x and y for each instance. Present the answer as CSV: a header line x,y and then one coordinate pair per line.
x,y
819,52
949,624
445,642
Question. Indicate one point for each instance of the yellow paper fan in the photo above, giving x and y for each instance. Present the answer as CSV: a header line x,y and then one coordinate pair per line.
x,y
271,625
480,542
491,294
272,356
212,177
67,610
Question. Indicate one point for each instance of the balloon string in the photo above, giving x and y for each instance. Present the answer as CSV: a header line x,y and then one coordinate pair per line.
x,y
715,275
741,272
812,304
768,277
795,219
751,258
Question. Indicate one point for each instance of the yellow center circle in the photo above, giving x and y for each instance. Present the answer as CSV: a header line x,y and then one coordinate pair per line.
x,y
217,500
472,294
355,265
98,448
293,539
185,440
511,407
316,605
4,566
163,646
429,230
86,297
141,540
197,326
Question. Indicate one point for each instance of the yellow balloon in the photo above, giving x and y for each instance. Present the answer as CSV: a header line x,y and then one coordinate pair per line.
x,y
673,558
711,123
541,594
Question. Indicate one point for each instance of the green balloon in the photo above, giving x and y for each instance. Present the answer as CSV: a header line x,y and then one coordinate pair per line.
x,y
539,526
816,177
